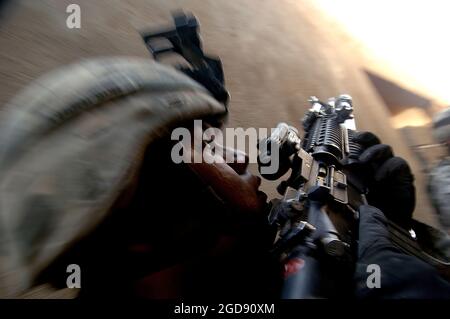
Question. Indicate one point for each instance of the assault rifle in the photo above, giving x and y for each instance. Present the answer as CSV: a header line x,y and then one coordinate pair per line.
x,y
318,195
317,219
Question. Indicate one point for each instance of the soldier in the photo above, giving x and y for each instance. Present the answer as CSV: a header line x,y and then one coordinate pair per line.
x,y
87,179
439,180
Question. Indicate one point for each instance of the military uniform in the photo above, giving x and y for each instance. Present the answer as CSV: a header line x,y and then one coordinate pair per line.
x,y
439,189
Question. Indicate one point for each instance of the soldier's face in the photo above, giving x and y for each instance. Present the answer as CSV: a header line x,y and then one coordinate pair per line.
x,y
232,182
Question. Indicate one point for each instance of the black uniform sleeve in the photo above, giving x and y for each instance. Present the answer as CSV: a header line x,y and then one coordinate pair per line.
x,y
402,276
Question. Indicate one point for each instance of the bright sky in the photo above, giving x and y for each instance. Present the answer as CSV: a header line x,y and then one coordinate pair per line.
x,y
413,36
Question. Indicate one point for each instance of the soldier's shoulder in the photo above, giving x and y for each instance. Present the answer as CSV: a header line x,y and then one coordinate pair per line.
x,y
442,167
439,176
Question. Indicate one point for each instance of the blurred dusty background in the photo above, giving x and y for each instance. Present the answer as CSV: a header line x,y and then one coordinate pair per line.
x,y
276,53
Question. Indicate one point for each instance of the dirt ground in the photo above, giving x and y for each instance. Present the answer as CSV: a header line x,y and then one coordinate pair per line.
x,y
276,53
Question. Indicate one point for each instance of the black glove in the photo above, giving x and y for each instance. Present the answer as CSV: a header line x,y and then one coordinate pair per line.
x,y
388,178
402,276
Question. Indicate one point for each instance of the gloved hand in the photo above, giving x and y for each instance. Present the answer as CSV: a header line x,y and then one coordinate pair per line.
x,y
401,275
388,178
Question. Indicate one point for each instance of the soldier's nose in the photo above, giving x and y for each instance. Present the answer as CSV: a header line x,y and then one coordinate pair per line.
x,y
240,160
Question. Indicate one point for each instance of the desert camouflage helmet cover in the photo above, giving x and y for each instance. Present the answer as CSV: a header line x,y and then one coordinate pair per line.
x,y
69,145
441,126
